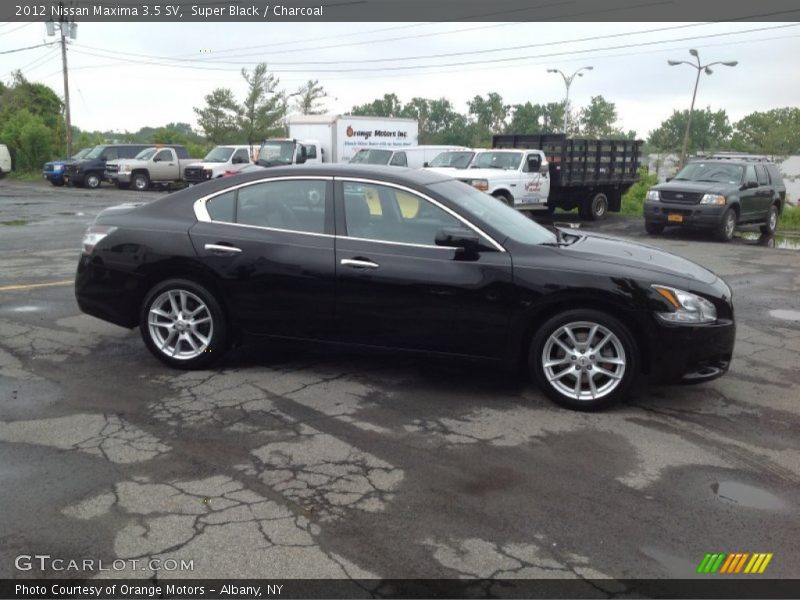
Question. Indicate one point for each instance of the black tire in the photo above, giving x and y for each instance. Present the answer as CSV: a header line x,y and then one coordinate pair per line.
x,y
653,228
57,182
504,198
595,208
620,347
140,182
188,353
727,226
92,181
771,225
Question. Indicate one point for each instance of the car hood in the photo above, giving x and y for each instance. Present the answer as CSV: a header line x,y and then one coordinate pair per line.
x,y
210,165
484,173
449,171
600,253
700,187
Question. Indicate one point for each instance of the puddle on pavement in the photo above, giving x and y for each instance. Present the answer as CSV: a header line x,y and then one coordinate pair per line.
x,y
785,242
14,222
786,315
25,309
742,494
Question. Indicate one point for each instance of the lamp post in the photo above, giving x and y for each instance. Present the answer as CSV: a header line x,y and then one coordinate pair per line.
x,y
568,83
65,28
700,68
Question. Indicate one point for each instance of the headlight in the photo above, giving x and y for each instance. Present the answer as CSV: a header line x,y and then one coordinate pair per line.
x,y
688,308
58,167
480,184
124,168
93,235
653,195
713,199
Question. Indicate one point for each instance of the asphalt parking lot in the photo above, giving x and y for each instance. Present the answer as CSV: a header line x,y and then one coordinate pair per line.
x,y
299,462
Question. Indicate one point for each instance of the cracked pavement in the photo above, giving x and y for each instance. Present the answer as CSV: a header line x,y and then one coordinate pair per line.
x,y
299,462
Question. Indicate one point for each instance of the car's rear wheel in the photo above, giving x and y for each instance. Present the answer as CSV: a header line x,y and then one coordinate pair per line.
x,y
92,181
595,208
584,359
140,182
771,224
726,227
183,325
653,228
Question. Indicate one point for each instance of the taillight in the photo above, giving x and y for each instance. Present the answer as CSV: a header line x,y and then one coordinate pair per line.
x,y
93,235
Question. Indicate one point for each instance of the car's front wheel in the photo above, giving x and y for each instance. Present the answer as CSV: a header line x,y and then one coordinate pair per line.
x,y
584,359
726,227
183,325
92,181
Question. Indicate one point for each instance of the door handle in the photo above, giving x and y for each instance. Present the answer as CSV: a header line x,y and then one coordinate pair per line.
x,y
354,263
222,248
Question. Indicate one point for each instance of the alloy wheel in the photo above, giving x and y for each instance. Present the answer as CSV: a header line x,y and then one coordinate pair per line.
x,y
180,324
584,360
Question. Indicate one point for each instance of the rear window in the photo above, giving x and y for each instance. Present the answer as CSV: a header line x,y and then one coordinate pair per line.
x,y
372,157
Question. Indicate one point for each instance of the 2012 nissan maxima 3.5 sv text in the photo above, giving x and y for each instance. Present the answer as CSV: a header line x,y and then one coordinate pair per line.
x,y
401,259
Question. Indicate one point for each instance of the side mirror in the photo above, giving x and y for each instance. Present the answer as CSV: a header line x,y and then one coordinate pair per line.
x,y
156,159
544,169
426,164
301,155
454,237
668,179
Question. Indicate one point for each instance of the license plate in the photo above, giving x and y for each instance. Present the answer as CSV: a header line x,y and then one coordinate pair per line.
x,y
675,218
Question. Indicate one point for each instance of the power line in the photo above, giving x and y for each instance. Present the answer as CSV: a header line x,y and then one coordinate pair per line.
x,y
25,48
23,26
468,63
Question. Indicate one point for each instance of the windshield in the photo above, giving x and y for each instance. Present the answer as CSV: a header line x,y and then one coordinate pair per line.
x,y
146,154
82,154
508,221
497,160
711,171
372,157
95,152
277,152
456,160
219,154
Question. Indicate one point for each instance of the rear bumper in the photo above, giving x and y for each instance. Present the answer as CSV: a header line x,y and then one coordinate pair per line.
x,y
692,215
107,294
691,353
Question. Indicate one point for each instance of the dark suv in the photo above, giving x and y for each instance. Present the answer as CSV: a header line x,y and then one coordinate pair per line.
x,y
89,170
719,193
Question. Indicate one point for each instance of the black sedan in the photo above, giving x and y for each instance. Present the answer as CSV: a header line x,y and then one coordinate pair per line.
x,y
409,260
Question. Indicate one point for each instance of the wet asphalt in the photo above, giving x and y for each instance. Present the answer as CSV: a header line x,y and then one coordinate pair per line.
x,y
293,462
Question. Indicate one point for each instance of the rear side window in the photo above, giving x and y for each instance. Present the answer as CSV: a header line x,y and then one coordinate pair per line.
x,y
311,151
763,178
297,205
399,160
222,207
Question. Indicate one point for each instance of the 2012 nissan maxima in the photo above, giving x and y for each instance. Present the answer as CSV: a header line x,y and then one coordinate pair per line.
x,y
401,259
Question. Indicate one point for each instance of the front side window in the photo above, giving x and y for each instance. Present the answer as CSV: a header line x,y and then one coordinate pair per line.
x,y
296,205
750,175
241,156
311,151
387,214
164,155
763,178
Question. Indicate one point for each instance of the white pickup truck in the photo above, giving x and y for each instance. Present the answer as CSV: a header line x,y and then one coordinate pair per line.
x,y
520,178
156,165
222,160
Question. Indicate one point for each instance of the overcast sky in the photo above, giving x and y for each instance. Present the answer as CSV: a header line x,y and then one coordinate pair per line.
x,y
114,90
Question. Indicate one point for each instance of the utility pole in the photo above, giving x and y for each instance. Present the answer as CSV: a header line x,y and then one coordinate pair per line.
x,y
568,83
65,28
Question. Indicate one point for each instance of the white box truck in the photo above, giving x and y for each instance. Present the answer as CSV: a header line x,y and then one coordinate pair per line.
x,y
341,136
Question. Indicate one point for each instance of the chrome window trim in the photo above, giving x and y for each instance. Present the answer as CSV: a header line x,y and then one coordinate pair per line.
x,y
414,192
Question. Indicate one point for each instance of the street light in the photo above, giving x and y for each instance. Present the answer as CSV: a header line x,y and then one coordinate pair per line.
x,y
700,68
568,82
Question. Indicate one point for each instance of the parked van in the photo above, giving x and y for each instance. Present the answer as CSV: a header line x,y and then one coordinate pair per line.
x,y
5,160
413,157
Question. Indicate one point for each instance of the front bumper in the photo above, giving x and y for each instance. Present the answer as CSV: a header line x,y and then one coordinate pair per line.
x,y
691,353
56,176
118,177
691,215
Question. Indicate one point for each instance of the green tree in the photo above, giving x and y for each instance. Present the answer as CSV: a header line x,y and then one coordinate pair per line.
x,y
264,107
598,119
710,131
29,140
310,96
776,131
218,119
388,106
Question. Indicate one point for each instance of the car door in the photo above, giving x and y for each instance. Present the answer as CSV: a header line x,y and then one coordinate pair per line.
x,y
535,185
165,165
397,288
765,191
270,244
748,197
